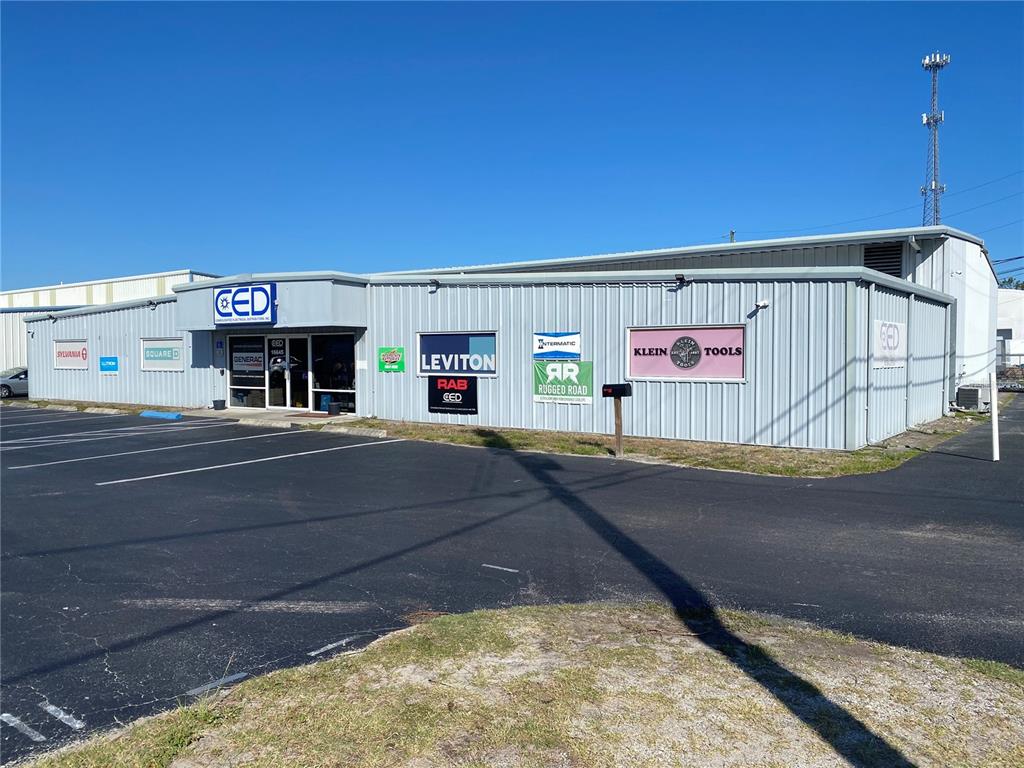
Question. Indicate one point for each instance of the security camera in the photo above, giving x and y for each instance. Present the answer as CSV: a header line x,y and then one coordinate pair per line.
x,y
762,304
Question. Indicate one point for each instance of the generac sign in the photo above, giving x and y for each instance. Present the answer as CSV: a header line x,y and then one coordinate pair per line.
x,y
71,353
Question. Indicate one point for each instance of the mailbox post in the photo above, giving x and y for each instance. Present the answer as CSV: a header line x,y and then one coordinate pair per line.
x,y
618,391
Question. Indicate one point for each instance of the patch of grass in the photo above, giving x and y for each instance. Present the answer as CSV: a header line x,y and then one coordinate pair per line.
x,y
996,670
585,685
763,460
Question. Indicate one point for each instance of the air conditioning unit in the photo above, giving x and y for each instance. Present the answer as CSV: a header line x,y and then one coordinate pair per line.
x,y
974,398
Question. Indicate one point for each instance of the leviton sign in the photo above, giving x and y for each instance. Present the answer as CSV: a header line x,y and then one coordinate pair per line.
x,y
245,304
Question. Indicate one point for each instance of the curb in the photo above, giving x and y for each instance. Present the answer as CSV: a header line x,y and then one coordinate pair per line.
x,y
360,431
253,422
103,410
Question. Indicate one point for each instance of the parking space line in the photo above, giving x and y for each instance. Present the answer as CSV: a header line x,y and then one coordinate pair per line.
x,y
20,726
276,433
51,421
248,461
216,683
69,720
498,568
144,431
331,646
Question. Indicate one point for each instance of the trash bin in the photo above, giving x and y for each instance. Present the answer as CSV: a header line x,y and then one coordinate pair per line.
x,y
334,409
219,405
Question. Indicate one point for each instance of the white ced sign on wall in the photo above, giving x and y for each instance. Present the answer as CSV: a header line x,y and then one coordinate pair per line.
x,y
163,354
889,344
71,354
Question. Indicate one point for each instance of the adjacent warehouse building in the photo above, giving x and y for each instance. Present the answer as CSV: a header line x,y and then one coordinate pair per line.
x,y
16,305
825,342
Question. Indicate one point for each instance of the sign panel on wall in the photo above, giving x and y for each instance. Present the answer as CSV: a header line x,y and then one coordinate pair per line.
x,y
163,354
467,354
246,361
889,344
563,381
245,304
108,365
452,394
71,354
557,346
391,359
694,352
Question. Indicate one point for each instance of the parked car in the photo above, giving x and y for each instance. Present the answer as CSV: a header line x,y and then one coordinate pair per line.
x,y
14,381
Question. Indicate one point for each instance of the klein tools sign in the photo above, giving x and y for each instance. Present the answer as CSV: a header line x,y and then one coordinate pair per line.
x,y
71,354
391,359
563,381
695,352
465,354
557,346
452,394
245,304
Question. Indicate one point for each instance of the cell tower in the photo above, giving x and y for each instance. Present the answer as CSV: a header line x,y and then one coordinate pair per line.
x,y
933,189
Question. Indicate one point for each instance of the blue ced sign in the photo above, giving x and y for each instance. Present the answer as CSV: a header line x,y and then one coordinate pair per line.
x,y
245,304
463,354
108,365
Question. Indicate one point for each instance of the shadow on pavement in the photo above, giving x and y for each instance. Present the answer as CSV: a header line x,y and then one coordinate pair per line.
x,y
841,730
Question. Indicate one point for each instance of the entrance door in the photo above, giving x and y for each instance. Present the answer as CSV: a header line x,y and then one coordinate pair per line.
x,y
288,372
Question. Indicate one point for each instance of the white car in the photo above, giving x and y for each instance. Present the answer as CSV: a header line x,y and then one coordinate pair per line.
x,y
14,381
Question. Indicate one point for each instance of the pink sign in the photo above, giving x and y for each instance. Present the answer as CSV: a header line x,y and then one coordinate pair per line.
x,y
686,352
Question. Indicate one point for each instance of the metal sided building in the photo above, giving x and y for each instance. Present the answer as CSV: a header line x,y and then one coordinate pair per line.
x,y
829,342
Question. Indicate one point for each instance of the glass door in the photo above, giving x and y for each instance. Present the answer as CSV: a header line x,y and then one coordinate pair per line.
x,y
298,372
277,372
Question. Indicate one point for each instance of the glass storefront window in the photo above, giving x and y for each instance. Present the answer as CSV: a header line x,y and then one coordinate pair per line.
x,y
248,398
334,371
247,387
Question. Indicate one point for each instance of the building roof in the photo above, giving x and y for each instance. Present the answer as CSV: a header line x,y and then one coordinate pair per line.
x,y
146,276
881,235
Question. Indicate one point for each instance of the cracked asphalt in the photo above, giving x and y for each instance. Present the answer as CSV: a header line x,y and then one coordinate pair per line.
x,y
120,599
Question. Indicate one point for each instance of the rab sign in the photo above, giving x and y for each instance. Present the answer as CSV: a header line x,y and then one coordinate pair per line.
x,y
245,304
452,394
686,353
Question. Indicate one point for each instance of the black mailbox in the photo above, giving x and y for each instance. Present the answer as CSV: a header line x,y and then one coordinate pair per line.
x,y
617,390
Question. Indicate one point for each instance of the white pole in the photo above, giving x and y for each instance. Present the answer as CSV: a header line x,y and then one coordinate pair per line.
x,y
995,416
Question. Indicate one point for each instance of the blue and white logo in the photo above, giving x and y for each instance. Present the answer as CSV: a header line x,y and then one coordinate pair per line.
x,y
245,304
461,354
108,364
557,346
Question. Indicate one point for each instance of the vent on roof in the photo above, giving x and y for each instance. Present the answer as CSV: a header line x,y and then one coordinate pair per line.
x,y
885,257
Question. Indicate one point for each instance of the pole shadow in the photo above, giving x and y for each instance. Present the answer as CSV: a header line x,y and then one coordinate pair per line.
x,y
850,738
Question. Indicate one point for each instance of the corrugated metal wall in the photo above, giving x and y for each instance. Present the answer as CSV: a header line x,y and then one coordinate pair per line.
x,y
12,338
796,356
117,332
927,361
844,255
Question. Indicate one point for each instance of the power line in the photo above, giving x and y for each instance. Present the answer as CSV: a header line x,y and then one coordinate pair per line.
x,y
914,207
990,202
1012,258
1001,226
1011,272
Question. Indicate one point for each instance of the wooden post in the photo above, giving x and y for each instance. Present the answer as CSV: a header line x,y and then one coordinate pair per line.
x,y
618,427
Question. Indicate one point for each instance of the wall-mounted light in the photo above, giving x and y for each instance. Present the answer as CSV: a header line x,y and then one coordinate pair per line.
x,y
434,285
762,304
151,304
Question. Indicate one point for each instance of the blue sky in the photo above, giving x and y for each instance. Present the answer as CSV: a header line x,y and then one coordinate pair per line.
x,y
242,137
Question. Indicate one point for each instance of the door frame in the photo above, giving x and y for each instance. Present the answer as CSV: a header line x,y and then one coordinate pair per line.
x,y
288,375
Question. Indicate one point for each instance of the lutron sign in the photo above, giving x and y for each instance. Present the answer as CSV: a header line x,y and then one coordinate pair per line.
x,y
241,304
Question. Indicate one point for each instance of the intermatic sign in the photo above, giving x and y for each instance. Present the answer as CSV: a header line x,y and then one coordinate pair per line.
x,y
557,345
890,344
248,304
71,354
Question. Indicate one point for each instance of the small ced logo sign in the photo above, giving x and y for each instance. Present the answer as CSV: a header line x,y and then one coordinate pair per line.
x,y
245,304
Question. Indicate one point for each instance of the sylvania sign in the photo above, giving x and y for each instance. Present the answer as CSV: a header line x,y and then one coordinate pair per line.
x,y
73,354
465,354
694,352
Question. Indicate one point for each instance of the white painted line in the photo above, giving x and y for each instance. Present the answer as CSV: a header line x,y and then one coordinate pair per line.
x,y
109,430
216,683
250,461
808,605
332,646
164,448
42,442
499,568
15,722
50,421
28,414
69,720
247,606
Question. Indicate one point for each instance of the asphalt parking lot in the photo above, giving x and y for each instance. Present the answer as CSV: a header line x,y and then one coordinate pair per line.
x,y
145,561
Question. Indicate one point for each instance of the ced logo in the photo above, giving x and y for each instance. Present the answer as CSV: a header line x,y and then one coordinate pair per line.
x,y
889,336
